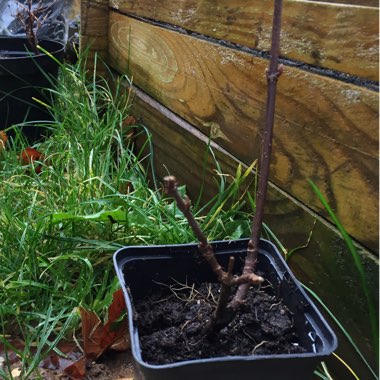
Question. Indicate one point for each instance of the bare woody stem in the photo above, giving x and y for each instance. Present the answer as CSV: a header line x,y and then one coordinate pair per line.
x,y
227,279
225,291
272,74
220,316
32,20
28,19
205,248
226,313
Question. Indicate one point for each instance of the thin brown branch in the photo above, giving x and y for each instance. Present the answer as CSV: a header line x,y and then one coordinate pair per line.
x,y
32,20
272,74
227,313
184,204
227,279
205,248
225,291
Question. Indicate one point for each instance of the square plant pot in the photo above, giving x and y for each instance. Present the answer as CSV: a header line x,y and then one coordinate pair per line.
x,y
141,268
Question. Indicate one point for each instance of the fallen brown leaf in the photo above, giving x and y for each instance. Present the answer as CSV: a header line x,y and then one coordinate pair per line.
x,y
29,155
3,140
115,329
92,333
98,337
77,370
8,350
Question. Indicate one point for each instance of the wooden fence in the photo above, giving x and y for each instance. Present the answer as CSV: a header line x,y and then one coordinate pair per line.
x,y
199,71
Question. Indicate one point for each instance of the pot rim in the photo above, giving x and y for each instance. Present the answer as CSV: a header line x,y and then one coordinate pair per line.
x,y
135,343
58,47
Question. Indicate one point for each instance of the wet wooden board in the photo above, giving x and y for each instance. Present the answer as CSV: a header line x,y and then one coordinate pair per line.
x,y
325,129
94,33
323,265
369,3
74,10
335,36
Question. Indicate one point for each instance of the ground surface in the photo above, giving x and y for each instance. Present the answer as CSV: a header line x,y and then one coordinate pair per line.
x,y
112,366
170,323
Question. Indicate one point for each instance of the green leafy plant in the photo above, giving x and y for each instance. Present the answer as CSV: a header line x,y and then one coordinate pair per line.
x,y
65,210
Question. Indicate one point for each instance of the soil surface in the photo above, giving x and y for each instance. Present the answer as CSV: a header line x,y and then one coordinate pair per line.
x,y
112,365
170,322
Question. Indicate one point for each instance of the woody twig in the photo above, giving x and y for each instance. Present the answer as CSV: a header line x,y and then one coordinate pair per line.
x,y
226,278
226,311
272,75
32,18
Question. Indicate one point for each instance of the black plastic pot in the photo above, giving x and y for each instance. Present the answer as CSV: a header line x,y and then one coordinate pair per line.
x,y
23,75
136,267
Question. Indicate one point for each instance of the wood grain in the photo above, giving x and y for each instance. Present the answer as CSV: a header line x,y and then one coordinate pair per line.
x,y
323,265
369,3
94,33
325,130
341,37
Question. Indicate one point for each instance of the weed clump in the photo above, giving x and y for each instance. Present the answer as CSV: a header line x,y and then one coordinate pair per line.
x,y
69,202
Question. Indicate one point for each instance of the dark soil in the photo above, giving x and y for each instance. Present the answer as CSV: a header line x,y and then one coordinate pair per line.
x,y
171,320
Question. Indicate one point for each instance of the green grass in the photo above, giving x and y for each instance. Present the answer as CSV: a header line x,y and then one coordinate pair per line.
x,y
372,311
59,228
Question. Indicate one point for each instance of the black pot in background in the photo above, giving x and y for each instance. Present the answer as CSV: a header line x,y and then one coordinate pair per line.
x,y
136,267
23,75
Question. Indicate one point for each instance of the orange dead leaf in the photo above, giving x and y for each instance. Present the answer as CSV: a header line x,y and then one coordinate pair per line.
x,y
92,332
68,347
73,364
98,337
51,362
3,140
129,132
77,370
115,329
117,307
122,344
29,155
129,120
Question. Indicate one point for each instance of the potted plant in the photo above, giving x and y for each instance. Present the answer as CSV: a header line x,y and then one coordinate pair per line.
x,y
227,309
27,66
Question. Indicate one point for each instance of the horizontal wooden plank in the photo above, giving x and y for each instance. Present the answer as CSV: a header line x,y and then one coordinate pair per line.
x,y
325,264
325,129
368,3
335,36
